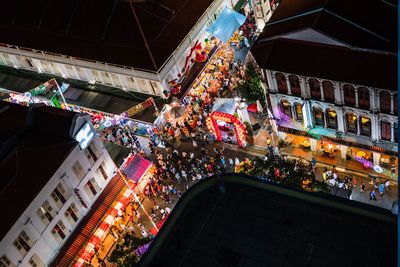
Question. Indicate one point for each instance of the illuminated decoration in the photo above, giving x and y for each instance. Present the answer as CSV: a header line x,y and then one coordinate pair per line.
x,y
141,250
378,169
240,129
85,136
197,46
44,88
366,163
138,108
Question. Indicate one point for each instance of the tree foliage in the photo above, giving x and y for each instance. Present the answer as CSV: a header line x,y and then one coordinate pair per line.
x,y
252,88
285,172
124,255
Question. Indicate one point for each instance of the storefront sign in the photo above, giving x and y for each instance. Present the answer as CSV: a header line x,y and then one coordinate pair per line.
x,y
141,250
366,163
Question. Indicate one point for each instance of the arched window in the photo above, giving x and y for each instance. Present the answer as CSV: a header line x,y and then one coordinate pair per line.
x,y
314,89
351,123
363,97
286,109
386,131
299,111
318,116
365,125
295,85
281,81
395,103
384,101
331,117
329,91
349,95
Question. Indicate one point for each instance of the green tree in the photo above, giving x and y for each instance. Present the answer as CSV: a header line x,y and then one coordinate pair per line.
x,y
252,88
123,255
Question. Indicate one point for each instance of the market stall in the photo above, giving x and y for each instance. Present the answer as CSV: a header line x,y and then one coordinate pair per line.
x,y
216,124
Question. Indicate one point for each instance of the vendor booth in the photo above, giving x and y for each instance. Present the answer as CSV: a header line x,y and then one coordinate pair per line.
x,y
219,123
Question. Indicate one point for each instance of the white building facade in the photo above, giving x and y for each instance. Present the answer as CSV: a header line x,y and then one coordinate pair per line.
x,y
354,110
122,77
52,216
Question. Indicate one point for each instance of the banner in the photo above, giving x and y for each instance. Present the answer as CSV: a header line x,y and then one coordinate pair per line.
x,y
138,108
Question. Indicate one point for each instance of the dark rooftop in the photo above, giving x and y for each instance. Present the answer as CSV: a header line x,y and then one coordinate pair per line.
x,y
236,220
359,23
104,31
30,155
328,62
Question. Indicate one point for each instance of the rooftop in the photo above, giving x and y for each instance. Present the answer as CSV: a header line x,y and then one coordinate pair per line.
x,y
30,155
328,62
106,31
368,24
236,220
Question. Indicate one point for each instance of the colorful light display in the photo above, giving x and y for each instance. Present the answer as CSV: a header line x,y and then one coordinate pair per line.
x,y
240,129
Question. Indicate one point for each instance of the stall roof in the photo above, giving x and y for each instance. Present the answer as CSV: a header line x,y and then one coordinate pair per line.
x,y
136,168
226,24
225,105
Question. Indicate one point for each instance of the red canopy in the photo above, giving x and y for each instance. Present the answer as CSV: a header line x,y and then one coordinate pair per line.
x,y
153,230
252,108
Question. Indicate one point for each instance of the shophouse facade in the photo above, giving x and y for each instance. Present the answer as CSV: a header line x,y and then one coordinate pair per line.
x,y
336,82
74,170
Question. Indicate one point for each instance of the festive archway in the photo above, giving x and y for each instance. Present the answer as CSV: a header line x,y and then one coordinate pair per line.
x,y
240,129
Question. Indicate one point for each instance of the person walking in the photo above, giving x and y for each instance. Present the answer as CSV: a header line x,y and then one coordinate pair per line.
x,y
372,195
362,187
314,164
381,189
387,185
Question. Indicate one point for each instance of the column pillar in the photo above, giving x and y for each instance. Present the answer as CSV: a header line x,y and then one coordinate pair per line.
x,y
343,151
371,100
274,105
322,91
374,127
391,104
313,144
378,102
325,120
274,83
303,87
358,125
376,158
340,119
341,95
64,71
356,96
89,75
336,89
269,79
289,89
392,132
76,73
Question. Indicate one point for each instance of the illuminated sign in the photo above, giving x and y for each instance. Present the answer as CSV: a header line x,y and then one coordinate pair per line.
x,y
84,136
378,169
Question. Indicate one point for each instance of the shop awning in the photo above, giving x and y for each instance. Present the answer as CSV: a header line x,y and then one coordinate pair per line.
x,y
226,24
136,168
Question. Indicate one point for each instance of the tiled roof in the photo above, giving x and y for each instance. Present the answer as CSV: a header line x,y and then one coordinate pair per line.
x,y
105,31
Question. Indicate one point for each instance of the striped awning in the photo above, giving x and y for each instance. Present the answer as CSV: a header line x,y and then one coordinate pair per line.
x,y
226,24
136,168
